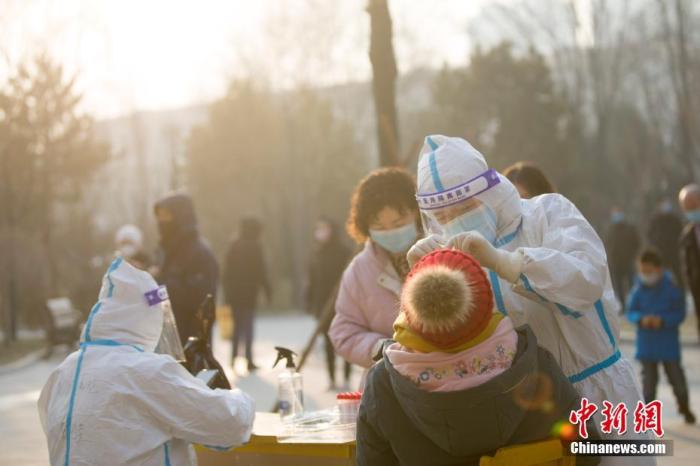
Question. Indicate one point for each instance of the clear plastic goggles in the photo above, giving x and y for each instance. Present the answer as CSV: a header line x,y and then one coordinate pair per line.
x,y
169,342
457,209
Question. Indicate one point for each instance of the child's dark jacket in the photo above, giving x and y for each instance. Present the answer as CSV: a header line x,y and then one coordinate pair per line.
x,y
402,424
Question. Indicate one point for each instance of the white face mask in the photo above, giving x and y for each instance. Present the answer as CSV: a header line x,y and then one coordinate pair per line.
x,y
322,234
128,250
650,279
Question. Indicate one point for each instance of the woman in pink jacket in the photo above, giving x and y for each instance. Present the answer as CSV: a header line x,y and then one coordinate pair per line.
x,y
384,216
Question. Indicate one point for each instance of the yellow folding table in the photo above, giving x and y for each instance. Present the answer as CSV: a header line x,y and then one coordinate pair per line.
x,y
265,449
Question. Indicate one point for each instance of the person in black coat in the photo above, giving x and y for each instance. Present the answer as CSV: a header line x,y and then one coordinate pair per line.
x,y
664,234
622,244
244,277
188,267
689,198
326,265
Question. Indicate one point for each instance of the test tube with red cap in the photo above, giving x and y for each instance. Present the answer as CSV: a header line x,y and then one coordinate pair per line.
x,y
349,406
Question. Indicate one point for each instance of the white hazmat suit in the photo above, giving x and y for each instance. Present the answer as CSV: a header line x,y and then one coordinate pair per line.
x,y
552,272
114,401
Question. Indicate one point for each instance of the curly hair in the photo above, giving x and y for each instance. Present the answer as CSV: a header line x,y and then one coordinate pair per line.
x,y
384,187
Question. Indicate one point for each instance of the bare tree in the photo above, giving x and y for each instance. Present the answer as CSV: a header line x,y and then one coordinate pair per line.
x,y
173,137
674,18
605,62
381,55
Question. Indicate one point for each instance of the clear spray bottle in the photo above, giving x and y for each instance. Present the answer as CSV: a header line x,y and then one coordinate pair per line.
x,y
290,386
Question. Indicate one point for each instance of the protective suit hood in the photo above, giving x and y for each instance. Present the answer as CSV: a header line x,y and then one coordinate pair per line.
x,y
446,162
122,312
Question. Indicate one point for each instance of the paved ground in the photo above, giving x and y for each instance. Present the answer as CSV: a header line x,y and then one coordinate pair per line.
x,y
22,441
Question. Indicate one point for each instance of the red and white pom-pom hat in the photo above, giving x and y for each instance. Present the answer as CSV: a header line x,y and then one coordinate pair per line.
x,y
447,298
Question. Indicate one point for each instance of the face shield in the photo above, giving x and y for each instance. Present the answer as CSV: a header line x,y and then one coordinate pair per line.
x,y
169,342
449,212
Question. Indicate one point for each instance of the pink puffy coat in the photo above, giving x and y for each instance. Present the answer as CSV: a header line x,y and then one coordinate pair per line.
x,y
367,305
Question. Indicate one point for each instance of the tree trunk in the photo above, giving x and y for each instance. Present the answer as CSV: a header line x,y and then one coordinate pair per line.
x,y
685,104
8,296
11,304
381,55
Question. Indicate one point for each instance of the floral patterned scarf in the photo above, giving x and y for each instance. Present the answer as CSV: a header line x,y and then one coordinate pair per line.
x,y
471,367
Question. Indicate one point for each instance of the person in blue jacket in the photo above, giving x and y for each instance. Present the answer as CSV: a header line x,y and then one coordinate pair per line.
x,y
656,305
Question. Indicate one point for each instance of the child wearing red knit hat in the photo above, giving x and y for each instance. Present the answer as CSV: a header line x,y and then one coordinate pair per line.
x,y
459,381
448,335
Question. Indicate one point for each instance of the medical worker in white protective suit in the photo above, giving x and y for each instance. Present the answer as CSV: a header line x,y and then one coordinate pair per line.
x,y
547,266
116,401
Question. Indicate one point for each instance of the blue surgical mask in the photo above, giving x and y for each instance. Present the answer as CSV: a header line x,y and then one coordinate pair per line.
x,y
481,219
617,217
693,216
397,240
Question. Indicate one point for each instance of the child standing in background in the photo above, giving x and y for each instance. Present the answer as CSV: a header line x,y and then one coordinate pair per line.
x,y
657,306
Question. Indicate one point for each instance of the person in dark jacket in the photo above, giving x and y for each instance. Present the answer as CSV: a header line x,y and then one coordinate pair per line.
x,y
244,277
326,265
622,246
460,381
657,306
689,198
664,235
188,268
